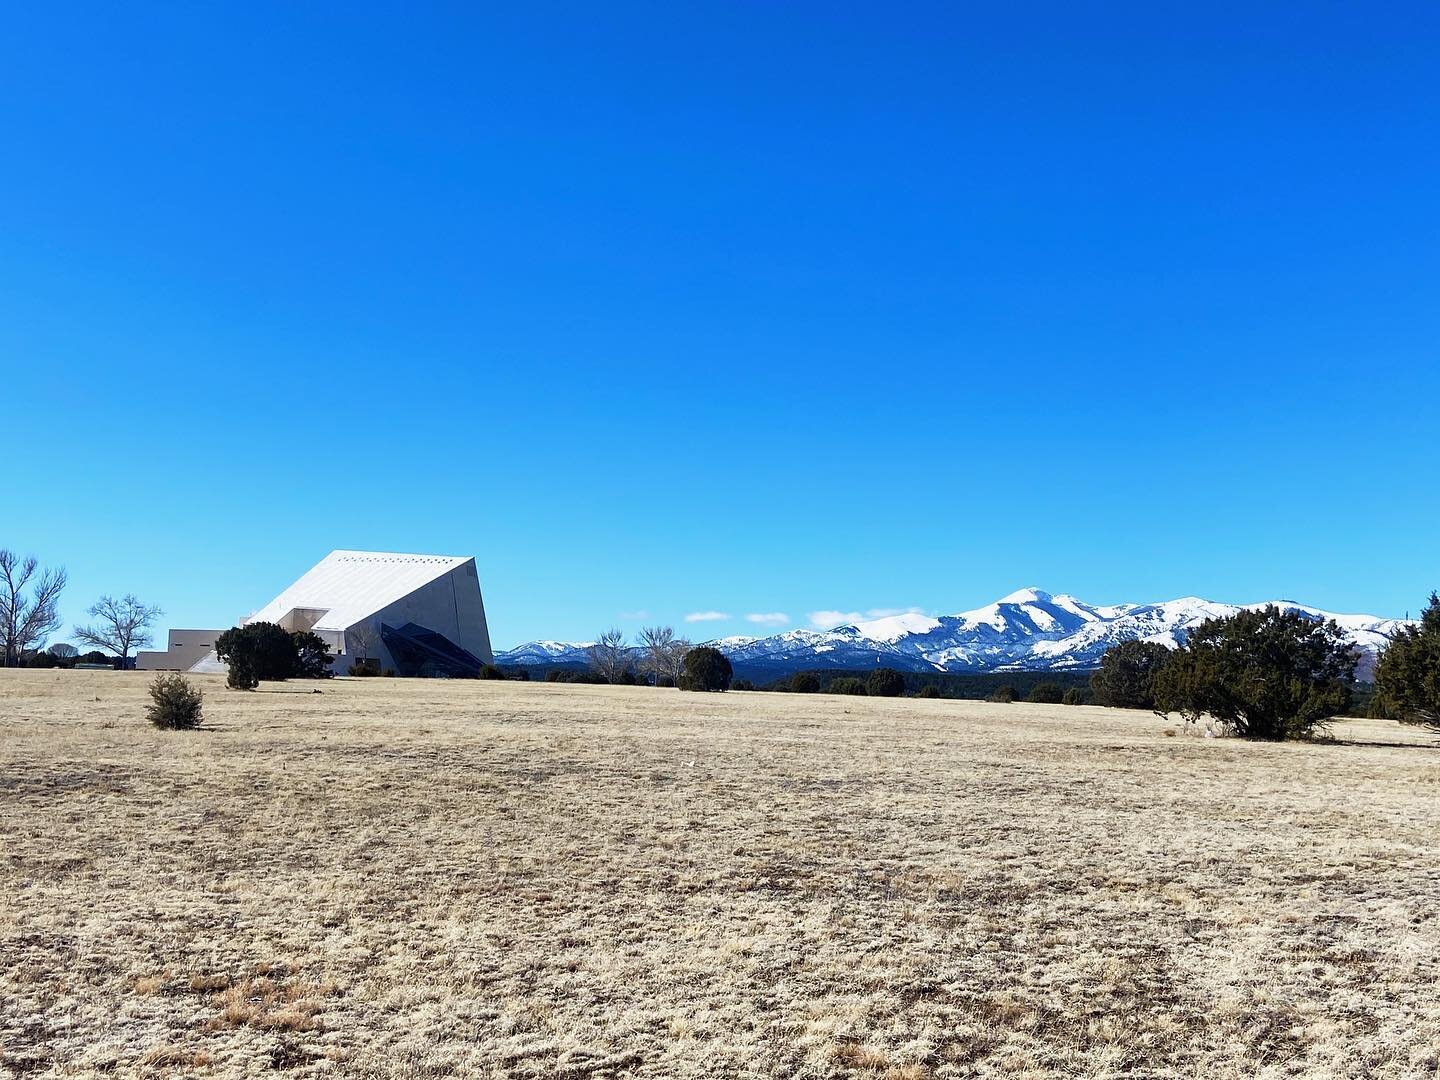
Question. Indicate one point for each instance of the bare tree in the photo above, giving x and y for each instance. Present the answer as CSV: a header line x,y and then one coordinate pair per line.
x,y
607,655
675,659
664,653
362,639
26,621
121,625
657,641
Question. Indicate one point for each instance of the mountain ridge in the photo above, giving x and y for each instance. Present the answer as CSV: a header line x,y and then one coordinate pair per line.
x,y
1026,630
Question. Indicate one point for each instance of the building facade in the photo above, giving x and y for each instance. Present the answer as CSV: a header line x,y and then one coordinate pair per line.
x,y
413,614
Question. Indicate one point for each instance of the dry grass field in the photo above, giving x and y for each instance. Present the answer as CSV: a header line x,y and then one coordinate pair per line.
x,y
431,879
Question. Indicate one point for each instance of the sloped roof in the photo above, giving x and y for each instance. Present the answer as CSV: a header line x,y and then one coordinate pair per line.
x,y
351,585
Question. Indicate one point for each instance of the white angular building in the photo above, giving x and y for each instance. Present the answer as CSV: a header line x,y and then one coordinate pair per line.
x,y
417,614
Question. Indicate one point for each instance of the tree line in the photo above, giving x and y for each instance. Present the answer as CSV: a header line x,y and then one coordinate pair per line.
x,y
660,658
1069,688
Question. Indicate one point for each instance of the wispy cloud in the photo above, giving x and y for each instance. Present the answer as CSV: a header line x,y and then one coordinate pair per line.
x,y
768,618
707,616
634,616
827,620
824,620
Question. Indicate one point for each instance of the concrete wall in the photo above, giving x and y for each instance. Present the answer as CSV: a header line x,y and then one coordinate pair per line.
x,y
184,648
449,605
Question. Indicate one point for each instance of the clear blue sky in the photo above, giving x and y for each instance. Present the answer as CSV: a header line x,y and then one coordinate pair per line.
x,y
744,307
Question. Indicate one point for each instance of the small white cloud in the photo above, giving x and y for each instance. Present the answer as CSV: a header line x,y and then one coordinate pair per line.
x,y
768,618
828,620
707,616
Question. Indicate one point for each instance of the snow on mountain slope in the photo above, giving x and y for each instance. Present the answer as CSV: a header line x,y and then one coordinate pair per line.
x,y
1028,630
895,627
546,652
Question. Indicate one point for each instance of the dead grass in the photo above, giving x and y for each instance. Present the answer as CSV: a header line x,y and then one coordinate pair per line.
x,y
406,879
175,1057
268,1005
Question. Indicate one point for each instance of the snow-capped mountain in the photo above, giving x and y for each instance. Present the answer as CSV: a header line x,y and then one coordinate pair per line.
x,y
545,652
1028,630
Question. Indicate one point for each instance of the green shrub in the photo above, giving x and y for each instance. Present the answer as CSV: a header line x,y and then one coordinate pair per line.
x,y
312,656
565,675
1269,674
1003,694
1074,696
742,684
241,674
1045,693
363,667
805,682
885,682
388,673
1126,679
492,671
255,651
174,702
1407,678
706,669
931,691
847,684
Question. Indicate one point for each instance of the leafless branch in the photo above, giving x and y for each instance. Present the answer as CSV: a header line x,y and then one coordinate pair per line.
x,y
607,655
361,640
657,642
26,621
123,625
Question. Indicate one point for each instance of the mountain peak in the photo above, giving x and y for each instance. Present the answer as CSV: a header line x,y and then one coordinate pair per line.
x,y
1026,596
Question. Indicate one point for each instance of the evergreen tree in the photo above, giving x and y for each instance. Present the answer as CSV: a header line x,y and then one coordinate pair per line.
x,y
1045,693
805,682
706,669
241,674
255,651
1268,674
174,702
1407,678
885,682
312,656
1126,679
